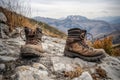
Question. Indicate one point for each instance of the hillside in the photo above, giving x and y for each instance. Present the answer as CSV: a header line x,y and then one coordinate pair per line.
x,y
49,30
22,21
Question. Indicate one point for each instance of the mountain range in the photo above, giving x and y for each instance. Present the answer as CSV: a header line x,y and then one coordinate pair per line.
x,y
110,19
93,26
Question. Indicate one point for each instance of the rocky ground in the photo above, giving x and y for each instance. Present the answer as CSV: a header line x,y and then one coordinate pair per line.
x,y
53,65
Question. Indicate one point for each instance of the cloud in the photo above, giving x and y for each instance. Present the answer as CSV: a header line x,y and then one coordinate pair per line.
x,y
62,8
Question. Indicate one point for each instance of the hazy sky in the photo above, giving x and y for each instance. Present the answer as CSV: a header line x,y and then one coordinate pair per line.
x,y
63,8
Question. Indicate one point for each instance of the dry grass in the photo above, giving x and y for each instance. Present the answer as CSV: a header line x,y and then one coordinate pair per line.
x,y
72,74
107,45
51,31
99,74
116,52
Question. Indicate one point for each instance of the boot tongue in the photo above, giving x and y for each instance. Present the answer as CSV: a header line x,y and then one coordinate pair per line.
x,y
33,37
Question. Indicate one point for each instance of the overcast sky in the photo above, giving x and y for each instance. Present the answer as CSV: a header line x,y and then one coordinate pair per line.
x,y
63,8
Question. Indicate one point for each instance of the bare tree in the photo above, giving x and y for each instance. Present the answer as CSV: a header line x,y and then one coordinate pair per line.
x,y
19,6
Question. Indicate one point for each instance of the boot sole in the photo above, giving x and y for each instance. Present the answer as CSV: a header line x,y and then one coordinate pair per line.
x,y
90,59
29,55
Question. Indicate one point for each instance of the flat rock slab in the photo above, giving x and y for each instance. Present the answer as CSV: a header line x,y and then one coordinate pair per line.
x,y
7,58
62,64
30,73
112,66
68,64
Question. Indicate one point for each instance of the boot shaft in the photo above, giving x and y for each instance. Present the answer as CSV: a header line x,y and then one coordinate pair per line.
x,y
76,34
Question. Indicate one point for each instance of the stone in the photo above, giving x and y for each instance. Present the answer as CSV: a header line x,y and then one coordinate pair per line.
x,y
92,70
7,58
112,66
1,77
62,64
15,33
53,48
83,63
10,47
3,17
39,66
4,31
84,76
30,73
2,66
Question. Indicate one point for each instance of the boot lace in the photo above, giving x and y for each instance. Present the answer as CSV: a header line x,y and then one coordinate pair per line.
x,y
83,38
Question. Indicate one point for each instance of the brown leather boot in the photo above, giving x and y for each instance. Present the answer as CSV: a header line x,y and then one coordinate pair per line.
x,y
77,47
33,46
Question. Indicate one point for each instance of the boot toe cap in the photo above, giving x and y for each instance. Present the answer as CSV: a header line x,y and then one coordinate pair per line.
x,y
31,50
100,52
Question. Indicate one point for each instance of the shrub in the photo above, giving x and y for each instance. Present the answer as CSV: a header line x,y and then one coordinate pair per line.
x,y
107,44
116,52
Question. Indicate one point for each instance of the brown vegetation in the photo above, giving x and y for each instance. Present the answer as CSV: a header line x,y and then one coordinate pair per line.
x,y
107,45
99,74
72,74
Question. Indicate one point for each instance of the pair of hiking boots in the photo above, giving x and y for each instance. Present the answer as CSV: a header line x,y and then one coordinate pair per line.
x,y
75,45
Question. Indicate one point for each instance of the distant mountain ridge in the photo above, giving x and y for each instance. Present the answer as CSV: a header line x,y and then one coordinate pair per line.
x,y
93,26
110,19
76,18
